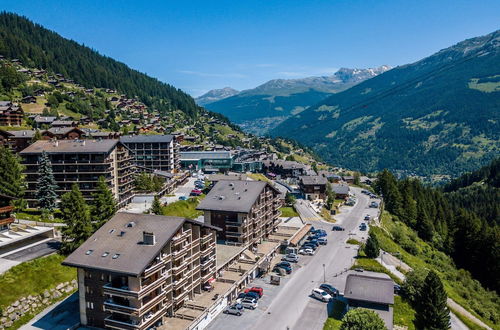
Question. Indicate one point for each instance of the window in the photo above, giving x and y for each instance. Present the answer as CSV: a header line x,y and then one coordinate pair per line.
x,y
105,254
116,256
89,252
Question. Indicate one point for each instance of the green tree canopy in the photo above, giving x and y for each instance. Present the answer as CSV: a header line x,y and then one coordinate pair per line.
x,y
372,248
156,206
76,216
46,184
11,174
103,204
432,312
362,319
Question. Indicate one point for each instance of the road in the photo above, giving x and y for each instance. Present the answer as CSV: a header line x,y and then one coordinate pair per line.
x,y
292,307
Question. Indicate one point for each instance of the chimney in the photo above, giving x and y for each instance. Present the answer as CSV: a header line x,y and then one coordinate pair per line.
x,y
148,238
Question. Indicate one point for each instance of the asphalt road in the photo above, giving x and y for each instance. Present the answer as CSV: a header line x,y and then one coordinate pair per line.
x,y
292,307
35,251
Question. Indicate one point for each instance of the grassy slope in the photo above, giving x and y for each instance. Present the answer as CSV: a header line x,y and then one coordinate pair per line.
x,y
404,314
33,278
288,212
186,209
459,284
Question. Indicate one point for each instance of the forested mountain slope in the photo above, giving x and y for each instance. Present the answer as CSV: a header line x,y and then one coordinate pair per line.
x,y
38,47
440,115
261,108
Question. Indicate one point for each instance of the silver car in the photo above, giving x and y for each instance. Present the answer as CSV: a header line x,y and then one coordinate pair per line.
x,y
250,303
234,310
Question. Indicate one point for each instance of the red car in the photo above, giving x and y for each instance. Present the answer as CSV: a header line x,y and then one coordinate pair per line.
x,y
196,192
257,290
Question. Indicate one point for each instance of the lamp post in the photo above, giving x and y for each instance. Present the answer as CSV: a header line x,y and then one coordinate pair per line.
x,y
324,274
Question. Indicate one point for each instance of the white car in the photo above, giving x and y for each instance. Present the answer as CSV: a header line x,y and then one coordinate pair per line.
x,y
291,257
250,303
321,295
308,252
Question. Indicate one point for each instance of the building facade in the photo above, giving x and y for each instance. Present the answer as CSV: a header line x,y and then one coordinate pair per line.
x,y
246,211
138,269
313,186
154,152
207,160
10,114
82,162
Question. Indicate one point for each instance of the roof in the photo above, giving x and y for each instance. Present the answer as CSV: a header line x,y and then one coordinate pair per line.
x,y
232,196
146,138
71,146
134,256
370,287
64,130
196,155
219,177
45,119
63,122
285,164
341,189
26,133
313,179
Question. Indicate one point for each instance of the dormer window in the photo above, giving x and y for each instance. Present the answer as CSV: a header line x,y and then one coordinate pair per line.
x,y
116,256
105,254
89,252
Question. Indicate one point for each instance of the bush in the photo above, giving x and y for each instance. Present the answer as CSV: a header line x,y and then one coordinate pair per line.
x,y
362,319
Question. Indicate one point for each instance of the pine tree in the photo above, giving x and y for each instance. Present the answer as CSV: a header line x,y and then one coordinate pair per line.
x,y
372,248
104,203
362,319
432,312
76,216
46,184
156,206
37,136
11,174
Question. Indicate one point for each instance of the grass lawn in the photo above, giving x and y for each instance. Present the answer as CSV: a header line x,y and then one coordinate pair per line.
x,y
33,278
35,215
259,177
185,209
288,212
353,241
335,319
404,314
373,266
326,215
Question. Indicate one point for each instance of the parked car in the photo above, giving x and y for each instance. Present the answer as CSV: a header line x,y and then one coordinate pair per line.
x,y
250,303
367,217
306,251
373,204
284,263
321,295
309,246
363,227
338,228
329,289
323,241
183,198
252,294
397,288
234,310
196,192
256,289
240,297
292,257
285,267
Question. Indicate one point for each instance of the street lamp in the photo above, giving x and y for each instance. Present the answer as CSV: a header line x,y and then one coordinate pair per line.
x,y
324,274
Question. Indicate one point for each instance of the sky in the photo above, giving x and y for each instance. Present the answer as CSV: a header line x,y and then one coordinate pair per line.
x,y
202,45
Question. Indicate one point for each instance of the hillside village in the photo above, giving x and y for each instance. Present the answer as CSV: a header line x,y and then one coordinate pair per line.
x,y
149,217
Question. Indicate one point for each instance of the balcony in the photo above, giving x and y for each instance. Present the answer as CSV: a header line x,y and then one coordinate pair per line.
x,y
177,254
113,306
207,262
206,238
181,296
116,321
124,291
154,268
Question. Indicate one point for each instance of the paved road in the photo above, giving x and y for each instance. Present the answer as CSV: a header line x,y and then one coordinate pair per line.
x,y
293,308
306,212
35,251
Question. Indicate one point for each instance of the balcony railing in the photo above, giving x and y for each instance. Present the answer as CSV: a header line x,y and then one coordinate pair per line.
x,y
154,268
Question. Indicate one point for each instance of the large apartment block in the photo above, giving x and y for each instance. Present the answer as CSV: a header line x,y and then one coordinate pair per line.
x,y
10,114
138,269
154,152
82,162
247,211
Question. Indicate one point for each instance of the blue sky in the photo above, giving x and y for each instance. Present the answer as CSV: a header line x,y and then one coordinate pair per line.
x,y
201,45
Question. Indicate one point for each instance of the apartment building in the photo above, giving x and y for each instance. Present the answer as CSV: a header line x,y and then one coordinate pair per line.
x,y
82,162
154,152
10,114
247,211
313,186
138,269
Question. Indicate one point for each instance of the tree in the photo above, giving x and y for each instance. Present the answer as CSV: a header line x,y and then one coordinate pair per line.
x,y
357,178
104,203
413,284
432,312
372,248
330,196
290,199
76,216
156,206
37,136
362,319
46,185
11,174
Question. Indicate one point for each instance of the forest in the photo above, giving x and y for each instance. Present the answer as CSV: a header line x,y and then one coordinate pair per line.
x,y
460,218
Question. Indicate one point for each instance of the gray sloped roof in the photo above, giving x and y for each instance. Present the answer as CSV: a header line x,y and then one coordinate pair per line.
x,y
25,133
313,179
342,189
232,196
71,146
371,287
134,256
146,138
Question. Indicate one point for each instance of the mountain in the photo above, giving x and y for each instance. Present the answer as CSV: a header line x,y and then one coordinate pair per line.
x,y
38,47
437,116
215,95
259,109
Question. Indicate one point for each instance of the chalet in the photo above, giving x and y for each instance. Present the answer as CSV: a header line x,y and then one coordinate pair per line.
x,y
341,190
43,120
10,114
5,138
64,133
85,120
373,291
348,178
284,168
64,123
20,140
313,187
39,92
